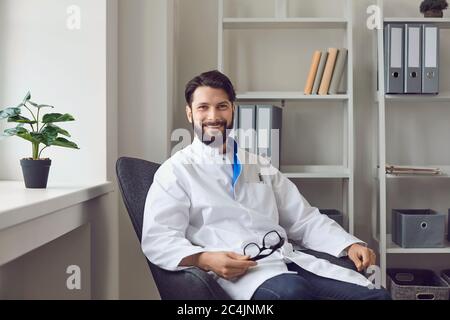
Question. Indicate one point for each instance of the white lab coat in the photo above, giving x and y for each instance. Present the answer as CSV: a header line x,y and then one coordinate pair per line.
x,y
192,207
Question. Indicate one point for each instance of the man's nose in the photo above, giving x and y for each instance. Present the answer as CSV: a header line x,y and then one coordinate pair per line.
x,y
212,114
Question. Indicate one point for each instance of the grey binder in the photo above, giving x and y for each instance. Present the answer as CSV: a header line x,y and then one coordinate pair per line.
x,y
236,123
430,64
394,58
268,128
246,128
413,58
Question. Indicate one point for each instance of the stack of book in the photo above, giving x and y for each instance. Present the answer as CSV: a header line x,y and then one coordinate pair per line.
x,y
400,170
326,72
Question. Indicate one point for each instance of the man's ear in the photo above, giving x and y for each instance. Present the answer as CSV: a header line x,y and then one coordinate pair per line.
x,y
189,114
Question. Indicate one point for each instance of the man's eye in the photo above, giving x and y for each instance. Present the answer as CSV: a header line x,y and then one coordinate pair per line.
x,y
223,107
201,107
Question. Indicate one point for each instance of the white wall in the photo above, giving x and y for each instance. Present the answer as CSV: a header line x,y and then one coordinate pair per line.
x,y
63,68
71,70
146,77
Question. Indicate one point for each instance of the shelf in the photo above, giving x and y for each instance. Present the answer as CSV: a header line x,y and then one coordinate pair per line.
x,y
315,172
20,204
284,23
442,97
441,22
270,96
444,169
392,247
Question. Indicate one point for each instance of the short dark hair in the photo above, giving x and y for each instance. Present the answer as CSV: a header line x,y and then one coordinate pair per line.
x,y
214,79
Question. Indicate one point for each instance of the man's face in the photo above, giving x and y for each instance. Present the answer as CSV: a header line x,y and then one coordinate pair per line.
x,y
211,115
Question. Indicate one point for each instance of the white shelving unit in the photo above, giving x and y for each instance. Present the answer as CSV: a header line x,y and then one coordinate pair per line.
x,y
386,245
286,96
344,172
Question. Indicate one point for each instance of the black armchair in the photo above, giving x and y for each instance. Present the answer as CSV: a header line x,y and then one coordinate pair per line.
x,y
135,177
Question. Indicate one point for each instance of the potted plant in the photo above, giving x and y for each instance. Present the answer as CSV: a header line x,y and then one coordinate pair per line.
x,y
433,8
43,132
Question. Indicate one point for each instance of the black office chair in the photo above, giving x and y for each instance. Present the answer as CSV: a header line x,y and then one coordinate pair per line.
x,y
135,177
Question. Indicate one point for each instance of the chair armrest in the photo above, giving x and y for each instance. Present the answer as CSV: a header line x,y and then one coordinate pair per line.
x,y
188,284
344,262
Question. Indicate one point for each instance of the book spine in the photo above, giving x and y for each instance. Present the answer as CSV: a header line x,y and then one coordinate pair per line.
x,y
328,73
338,71
312,72
320,70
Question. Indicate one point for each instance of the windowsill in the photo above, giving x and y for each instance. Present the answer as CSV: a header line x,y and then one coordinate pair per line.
x,y
19,205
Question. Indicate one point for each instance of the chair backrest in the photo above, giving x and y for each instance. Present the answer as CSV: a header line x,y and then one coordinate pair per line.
x,y
134,191
135,176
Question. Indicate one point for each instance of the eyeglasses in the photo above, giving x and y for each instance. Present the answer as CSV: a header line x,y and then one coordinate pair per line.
x,y
272,241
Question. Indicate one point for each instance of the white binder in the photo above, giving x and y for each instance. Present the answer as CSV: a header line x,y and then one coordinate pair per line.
x,y
394,58
430,78
268,128
413,58
247,125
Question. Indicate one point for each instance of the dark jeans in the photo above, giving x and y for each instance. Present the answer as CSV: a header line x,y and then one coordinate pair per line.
x,y
307,286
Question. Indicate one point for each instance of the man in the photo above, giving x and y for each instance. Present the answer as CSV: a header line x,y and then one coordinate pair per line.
x,y
226,211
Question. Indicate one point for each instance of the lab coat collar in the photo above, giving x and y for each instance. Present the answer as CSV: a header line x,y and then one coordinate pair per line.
x,y
215,155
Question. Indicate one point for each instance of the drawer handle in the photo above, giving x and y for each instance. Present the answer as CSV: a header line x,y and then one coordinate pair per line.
x,y
425,296
424,225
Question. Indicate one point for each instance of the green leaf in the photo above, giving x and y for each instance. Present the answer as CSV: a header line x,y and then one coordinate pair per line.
x,y
14,131
33,104
45,138
27,97
61,142
57,117
52,129
24,134
9,112
20,119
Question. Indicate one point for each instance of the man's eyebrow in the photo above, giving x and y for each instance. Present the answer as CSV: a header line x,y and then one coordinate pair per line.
x,y
207,104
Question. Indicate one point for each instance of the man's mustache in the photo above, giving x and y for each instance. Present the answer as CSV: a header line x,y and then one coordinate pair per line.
x,y
214,123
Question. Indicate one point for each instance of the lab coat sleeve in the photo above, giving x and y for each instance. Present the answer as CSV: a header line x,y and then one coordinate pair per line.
x,y
166,218
304,224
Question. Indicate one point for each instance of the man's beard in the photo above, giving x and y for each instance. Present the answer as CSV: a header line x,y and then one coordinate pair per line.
x,y
216,140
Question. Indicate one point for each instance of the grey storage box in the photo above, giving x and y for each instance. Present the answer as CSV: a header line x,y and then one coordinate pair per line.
x,y
416,284
418,228
334,214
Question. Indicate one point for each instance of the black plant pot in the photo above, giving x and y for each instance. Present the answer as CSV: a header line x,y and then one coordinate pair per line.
x,y
35,172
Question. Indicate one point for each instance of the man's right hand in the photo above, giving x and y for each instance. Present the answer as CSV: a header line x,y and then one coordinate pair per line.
x,y
227,265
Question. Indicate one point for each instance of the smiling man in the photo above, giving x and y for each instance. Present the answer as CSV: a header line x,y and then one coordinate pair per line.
x,y
217,207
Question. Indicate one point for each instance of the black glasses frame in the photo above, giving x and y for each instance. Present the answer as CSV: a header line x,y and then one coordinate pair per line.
x,y
272,249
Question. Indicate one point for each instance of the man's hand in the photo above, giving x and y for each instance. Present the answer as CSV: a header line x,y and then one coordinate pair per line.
x,y
361,256
228,265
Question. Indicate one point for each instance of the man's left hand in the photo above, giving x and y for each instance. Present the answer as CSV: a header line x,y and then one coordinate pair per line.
x,y
361,256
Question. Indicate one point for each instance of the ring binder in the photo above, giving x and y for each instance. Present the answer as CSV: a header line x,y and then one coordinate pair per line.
x,y
413,58
430,82
394,57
